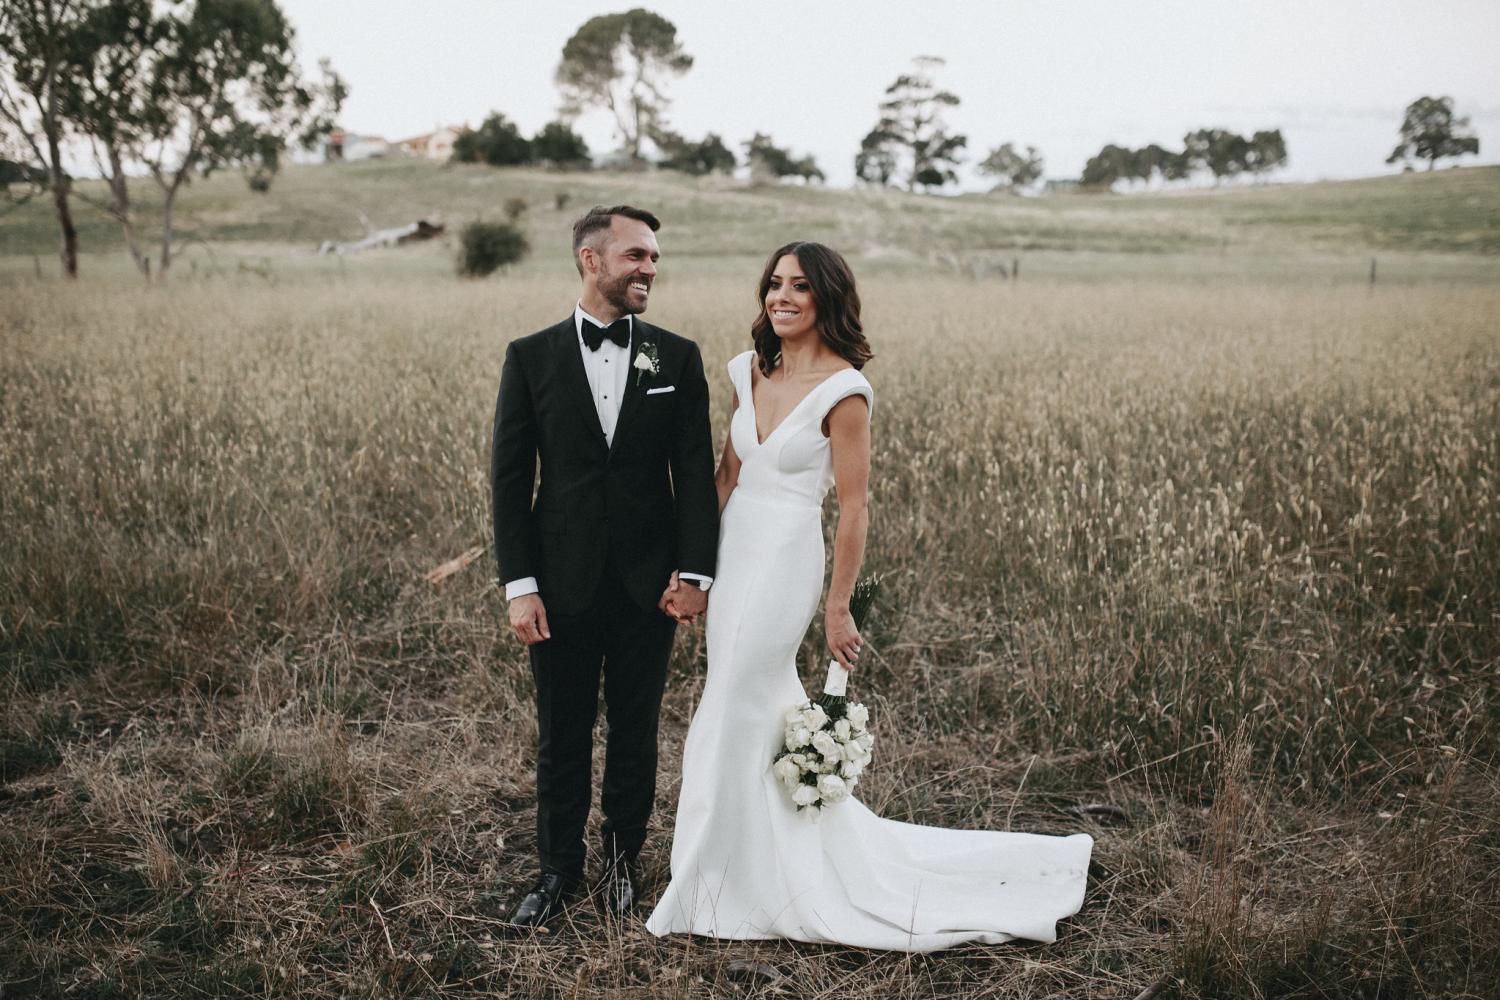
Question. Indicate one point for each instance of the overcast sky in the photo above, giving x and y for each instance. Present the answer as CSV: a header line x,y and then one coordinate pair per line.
x,y
1067,77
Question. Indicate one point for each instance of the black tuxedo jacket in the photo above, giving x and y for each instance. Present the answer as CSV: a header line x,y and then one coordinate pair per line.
x,y
647,501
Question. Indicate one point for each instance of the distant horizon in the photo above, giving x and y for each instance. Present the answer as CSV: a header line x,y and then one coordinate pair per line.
x,y
1199,181
1335,78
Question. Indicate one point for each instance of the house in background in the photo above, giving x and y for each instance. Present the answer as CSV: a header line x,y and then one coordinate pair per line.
x,y
434,145
351,146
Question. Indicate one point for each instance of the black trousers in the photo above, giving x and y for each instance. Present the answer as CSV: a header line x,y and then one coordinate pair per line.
x,y
628,646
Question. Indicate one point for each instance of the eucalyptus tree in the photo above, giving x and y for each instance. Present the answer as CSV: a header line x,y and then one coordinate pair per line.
x,y
911,131
1104,168
226,90
38,39
1223,152
1266,152
621,63
1012,168
1430,132
109,100
769,161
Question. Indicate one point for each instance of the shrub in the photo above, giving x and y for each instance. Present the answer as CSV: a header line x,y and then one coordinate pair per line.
x,y
558,145
486,246
515,208
497,142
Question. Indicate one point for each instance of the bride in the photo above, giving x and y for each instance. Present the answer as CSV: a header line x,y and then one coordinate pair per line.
x,y
745,863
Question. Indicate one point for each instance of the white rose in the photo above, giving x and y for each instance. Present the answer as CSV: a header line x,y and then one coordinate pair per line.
x,y
815,718
787,770
859,715
798,738
793,717
805,795
643,363
865,741
852,769
825,744
832,788
841,730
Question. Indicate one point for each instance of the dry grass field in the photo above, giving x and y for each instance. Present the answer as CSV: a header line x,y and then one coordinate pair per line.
x,y
1208,569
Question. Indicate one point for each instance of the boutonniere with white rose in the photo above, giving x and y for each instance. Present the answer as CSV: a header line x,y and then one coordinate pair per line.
x,y
647,362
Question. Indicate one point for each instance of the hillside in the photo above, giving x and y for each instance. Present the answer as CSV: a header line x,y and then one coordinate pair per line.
x,y
1445,224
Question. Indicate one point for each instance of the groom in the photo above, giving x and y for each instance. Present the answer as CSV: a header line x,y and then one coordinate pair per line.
x,y
615,412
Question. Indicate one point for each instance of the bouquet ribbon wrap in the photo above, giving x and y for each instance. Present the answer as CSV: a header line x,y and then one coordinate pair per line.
x,y
838,680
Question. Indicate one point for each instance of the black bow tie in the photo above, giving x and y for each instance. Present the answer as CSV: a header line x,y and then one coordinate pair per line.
x,y
618,331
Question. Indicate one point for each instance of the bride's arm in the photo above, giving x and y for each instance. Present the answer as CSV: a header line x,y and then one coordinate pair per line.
x,y
849,438
729,463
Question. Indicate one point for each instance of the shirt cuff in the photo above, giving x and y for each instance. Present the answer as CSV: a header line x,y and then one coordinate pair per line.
x,y
520,588
704,582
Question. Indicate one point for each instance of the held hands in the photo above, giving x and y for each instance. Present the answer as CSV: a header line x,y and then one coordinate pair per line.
x,y
844,640
681,602
528,619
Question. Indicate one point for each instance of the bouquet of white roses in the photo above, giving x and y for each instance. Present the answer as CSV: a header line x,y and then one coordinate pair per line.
x,y
823,757
826,743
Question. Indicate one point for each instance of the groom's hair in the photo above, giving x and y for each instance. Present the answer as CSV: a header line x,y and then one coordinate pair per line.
x,y
588,230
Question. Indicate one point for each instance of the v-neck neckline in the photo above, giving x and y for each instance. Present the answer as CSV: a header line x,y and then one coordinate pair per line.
x,y
754,413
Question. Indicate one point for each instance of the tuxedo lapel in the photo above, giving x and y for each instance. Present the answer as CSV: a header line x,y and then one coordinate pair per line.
x,y
575,380
634,390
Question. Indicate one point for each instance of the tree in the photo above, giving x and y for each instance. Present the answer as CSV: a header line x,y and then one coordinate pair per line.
x,y
1145,163
1430,132
770,161
1223,152
559,146
109,100
1267,152
223,88
1013,169
37,40
620,62
496,141
911,130
697,158
1107,166
875,163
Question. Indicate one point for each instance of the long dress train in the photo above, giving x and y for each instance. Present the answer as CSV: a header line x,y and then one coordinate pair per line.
x,y
745,863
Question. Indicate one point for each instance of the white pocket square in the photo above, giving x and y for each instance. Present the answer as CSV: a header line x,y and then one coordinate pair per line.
x,y
662,388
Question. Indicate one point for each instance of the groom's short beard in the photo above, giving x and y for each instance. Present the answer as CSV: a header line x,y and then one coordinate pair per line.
x,y
616,292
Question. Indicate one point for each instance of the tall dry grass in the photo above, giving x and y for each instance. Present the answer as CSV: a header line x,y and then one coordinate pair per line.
x,y
1207,572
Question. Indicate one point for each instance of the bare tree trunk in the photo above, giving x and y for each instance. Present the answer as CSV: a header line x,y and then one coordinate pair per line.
x,y
52,126
68,248
120,208
166,232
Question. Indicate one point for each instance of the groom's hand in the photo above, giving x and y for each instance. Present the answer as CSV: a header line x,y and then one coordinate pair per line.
x,y
683,603
528,619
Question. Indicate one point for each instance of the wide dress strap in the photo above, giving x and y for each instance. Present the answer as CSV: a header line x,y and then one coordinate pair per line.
x,y
739,374
839,388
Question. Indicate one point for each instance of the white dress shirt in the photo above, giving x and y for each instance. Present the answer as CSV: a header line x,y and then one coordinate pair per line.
x,y
608,373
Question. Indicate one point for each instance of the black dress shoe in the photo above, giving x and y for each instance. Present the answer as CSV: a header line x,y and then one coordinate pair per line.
x,y
545,901
617,890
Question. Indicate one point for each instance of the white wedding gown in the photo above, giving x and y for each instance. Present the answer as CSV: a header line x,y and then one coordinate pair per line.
x,y
745,863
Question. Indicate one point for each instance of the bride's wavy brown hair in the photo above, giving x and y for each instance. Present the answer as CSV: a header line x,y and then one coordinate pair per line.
x,y
834,296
